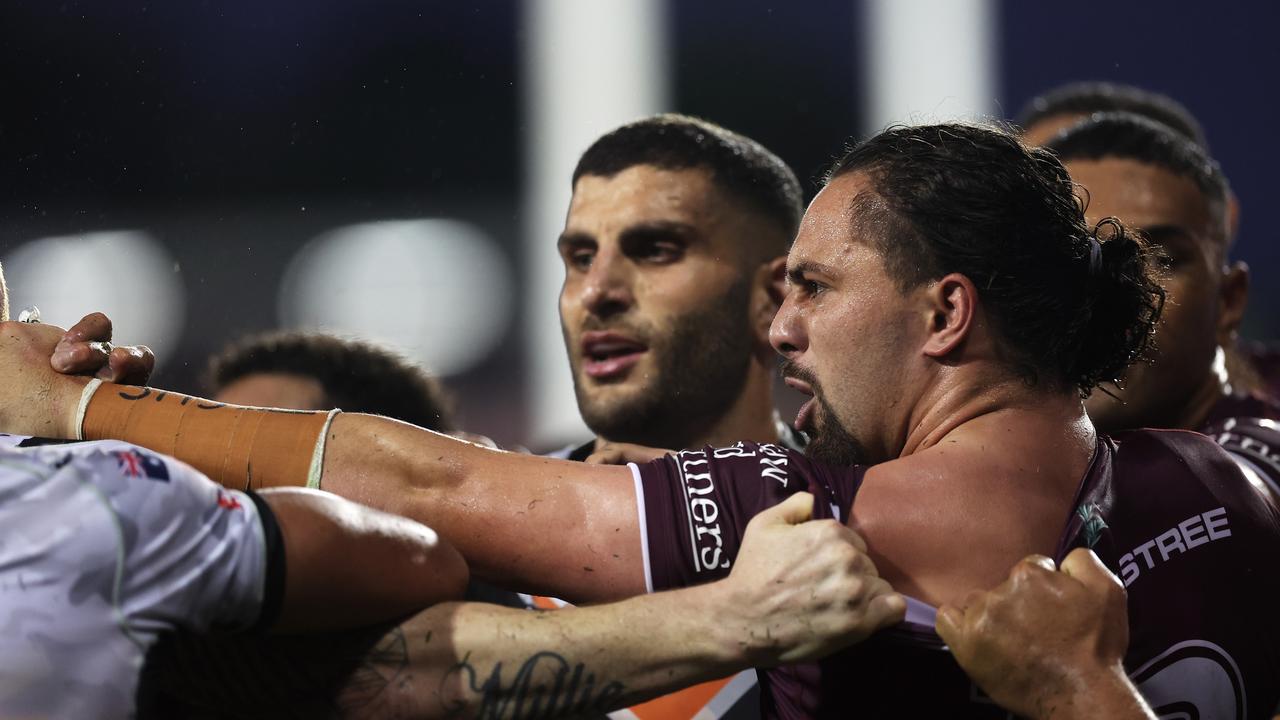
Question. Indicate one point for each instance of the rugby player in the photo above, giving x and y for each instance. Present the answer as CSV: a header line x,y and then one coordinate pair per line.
x,y
948,309
312,371
673,249
1252,366
1049,113
1166,186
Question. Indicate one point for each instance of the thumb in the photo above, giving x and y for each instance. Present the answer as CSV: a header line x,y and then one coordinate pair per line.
x,y
797,509
1084,566
947,624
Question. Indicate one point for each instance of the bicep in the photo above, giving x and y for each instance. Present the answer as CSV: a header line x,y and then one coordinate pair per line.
x,y
340,556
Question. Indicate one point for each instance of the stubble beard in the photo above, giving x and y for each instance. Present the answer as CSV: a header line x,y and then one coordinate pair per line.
x,y
700,369
830,442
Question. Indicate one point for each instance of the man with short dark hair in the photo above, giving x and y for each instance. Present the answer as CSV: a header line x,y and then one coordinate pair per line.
x,y
948,310
312,371
1253,366
673,249
1051,112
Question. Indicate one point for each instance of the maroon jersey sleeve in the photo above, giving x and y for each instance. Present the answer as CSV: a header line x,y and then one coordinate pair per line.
x,y
697,503
1254,443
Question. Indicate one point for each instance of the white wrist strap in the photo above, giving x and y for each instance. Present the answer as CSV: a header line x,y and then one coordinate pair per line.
x,y
317,456
85,396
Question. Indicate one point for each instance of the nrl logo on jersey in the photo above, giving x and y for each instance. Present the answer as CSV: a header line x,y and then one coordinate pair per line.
x,y
1091,515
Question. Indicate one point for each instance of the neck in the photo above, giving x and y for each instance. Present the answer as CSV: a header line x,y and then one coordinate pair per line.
x,y
954,411
1216,384
750,417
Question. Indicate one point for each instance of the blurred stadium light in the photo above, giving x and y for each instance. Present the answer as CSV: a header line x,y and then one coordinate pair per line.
x,y
589,66
440,291
125,273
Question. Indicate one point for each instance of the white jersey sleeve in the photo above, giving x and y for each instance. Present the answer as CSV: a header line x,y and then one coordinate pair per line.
x,y
105,546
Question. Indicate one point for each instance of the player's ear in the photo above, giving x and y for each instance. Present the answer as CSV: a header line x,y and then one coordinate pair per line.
x,y
950,304
769,289
1233,298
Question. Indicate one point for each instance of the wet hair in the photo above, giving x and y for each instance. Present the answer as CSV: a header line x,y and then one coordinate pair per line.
x,y
1073,306
742,167
1087,98
1133,137
355,376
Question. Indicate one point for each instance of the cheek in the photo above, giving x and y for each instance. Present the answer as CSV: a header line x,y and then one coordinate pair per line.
x,y
1190,304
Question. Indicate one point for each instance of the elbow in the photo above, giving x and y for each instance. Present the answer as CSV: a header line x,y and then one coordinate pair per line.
x,y
445,576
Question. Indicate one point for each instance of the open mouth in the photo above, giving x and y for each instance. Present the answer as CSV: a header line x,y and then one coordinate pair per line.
x,y
610,356
804,416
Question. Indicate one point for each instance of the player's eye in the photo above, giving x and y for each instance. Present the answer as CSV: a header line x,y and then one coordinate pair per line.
x,y
579,258
660,251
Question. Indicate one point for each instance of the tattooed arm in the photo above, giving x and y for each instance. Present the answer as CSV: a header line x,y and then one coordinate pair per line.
x,y
799,590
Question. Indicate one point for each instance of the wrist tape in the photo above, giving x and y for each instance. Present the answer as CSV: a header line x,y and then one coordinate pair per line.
x,y
243,448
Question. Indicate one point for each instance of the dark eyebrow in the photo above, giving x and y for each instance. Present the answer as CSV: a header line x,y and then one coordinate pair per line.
x,y
796,272
659,229
573,238
1172,236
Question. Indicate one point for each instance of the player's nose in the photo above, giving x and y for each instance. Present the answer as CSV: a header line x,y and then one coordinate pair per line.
x,y
787,333
607,289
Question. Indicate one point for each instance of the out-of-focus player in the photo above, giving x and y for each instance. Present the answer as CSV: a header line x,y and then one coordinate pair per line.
x,y
1252,366
312,371
1049,113
948,309
1166,186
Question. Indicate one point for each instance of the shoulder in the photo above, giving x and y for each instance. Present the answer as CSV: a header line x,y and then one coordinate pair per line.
x,y
1171,463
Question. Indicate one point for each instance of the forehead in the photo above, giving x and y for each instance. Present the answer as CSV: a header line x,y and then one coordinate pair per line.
x,y
644,193
1044,129
1140,194
829,228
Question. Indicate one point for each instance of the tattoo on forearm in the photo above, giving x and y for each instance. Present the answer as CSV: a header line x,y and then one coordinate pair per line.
x,y
544,687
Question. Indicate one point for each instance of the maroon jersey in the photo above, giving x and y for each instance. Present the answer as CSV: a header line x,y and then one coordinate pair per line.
x,y
1238,406
1167,511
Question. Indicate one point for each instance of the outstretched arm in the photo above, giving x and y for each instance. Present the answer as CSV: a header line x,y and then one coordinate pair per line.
x,y
800,590
530,523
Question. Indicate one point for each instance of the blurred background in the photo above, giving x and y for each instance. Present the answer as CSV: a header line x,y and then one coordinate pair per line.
x,y
399,171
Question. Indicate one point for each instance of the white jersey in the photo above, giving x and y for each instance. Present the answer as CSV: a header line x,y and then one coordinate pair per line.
x,y
103,546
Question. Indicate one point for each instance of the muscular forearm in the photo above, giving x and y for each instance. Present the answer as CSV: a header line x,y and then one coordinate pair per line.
x,y
475,660
467,660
